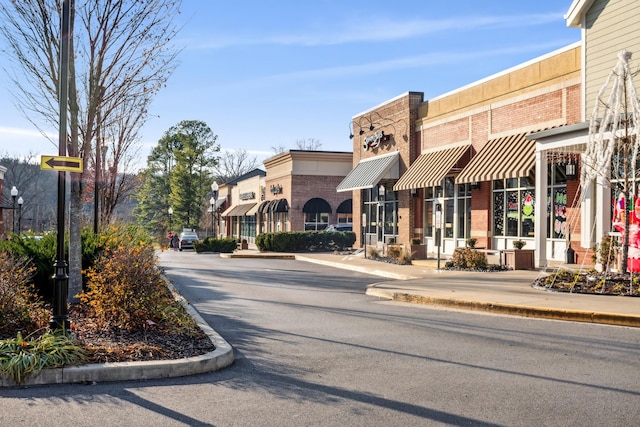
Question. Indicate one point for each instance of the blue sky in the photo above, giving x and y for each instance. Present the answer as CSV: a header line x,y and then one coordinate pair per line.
x,y
266,74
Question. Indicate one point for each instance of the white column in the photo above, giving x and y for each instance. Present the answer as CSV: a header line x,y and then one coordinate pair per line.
x,y
540,226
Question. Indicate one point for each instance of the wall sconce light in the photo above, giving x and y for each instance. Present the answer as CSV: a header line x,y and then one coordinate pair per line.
x,y
381,191
413,192
571,170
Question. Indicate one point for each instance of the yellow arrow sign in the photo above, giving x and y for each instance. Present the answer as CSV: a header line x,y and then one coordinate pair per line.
x,y
60,163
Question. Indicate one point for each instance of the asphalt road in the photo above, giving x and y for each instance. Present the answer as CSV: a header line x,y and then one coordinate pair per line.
x,y
312,349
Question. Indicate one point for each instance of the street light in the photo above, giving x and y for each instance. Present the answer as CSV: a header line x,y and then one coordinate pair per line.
x,y
213,200
14,194
170,212
20,202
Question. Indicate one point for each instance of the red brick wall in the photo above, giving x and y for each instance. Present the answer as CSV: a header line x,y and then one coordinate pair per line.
x,y
539,109
398,118
482,124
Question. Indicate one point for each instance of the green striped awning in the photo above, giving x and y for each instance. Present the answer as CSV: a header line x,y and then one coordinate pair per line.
x,y
432,166
512,156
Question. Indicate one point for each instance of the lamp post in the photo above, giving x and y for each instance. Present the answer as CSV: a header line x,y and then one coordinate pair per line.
x,y
213,200
438,229
60,316
170,212
14,194
20,202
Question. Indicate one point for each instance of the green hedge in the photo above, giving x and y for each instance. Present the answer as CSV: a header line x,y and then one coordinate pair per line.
x,y
289,241
209,244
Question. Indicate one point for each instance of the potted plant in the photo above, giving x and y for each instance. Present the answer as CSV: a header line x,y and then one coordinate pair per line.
x,y
519,244
518,258
418,250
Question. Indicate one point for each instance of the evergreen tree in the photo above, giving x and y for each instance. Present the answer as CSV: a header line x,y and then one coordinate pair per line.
x,y
178,175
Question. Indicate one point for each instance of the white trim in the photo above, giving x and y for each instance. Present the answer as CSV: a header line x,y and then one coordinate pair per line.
x,y
576,12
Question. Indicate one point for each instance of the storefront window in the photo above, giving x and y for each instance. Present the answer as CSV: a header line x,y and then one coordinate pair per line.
x,y
345,218
248,227
557,202
315,221
513,209
498,213
456,209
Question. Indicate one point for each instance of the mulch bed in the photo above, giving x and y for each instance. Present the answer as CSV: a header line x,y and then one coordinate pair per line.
x,y
591,283
117,345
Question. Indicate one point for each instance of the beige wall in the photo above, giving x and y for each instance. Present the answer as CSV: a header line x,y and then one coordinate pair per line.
x,y
303,175
611,26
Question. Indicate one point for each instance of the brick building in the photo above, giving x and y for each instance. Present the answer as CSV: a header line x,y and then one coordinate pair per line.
x,y
497,160
444,165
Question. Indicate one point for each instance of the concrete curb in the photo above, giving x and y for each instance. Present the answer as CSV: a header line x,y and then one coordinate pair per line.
x,y
215,360
265,255
380,273
613,319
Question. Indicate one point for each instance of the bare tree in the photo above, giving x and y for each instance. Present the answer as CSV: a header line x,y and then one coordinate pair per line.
x,y
309,144
279,149
121,56
233,164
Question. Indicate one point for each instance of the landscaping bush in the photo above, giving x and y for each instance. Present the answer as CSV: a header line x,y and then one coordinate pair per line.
x,y
20,306
285,241
398,254
467,258
210,244
126,290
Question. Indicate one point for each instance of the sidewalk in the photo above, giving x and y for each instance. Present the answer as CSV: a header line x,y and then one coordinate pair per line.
x,y
504,292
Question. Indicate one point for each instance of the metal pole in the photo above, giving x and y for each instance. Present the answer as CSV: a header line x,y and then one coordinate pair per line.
x,y
60,318
20,202
13,214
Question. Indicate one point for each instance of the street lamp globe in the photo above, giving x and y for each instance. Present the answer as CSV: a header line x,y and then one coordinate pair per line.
x,y
20,203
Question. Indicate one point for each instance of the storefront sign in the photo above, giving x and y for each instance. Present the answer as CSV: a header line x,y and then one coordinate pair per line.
x,y
248,196
374,141
276,189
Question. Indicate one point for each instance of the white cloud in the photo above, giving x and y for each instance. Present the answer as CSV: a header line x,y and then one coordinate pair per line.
x,y
385,30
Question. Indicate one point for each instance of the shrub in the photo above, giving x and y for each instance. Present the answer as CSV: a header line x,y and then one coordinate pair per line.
x,y
519,244
394,252
285,241
416,241
210,244
467,258
20,307
126,290
471,242
372,252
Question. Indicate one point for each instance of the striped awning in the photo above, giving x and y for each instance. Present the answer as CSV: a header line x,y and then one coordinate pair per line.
x,y
512,156
239,210
253,210
369,172
432,166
